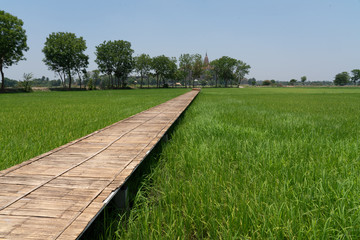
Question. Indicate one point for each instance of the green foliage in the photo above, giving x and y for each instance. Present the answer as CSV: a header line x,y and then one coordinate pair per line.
x,y
26,82
241,70
185,64
115,57
12,42
143,66
64,54
51,119
342,79
303,79
229,69
10,82
164,67
260,163
266,83
293,81
197,67
355,75
252,81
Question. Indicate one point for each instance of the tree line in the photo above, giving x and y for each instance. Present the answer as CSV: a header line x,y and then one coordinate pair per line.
x,y
345,78
65,55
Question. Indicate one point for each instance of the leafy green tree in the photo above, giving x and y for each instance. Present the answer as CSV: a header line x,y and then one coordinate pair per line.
x,y
303,79
12,42
164,67
197,67
170,72
226,67
241,69
252,81
123,60
115,57
104,60
180,75
64,54
208,77
216,68
293,81
355,75
143,66
266,83
185,64
342,79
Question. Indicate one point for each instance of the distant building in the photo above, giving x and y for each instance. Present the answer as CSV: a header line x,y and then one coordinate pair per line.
x,y
207,65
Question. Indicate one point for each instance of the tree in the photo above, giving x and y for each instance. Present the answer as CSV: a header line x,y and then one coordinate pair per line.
x,y
26,83
216,68
252,81
115,57
185,64
293,81
179,76
342,79
170,71
12,42
226,67
104,60
163,67
197,67
303,79
241,69
355,75
143,66
266,83
64,54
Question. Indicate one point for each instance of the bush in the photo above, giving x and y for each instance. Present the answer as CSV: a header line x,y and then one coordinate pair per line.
x,y
342,79
266,83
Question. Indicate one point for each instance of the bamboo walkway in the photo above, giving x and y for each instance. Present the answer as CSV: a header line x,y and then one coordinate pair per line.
x,y
58,194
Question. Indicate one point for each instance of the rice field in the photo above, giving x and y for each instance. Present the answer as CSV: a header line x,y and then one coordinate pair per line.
x,y
34,123
252,163
256,163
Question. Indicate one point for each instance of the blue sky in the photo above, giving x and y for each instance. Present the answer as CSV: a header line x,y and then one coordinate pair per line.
x,y
280,39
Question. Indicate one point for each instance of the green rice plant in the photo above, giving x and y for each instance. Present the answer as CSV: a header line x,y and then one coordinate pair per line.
x,y
31,124
256,163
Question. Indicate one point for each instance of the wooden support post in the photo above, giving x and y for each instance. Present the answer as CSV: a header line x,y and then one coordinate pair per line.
x,y
121,198
166,137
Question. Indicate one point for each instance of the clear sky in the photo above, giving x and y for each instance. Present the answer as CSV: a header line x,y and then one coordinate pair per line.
x,y
280,39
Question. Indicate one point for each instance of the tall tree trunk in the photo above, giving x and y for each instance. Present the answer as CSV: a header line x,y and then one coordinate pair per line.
x,y
79,78
157,80
64,83
69,73
148,81
141,81
2,77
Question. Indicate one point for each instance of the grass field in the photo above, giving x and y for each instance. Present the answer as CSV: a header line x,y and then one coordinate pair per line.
x,y
34,123
256,164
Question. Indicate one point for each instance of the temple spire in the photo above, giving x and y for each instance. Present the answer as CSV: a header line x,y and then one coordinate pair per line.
x,y
206,60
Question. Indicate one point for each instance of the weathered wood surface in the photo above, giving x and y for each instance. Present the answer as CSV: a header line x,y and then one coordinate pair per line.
x,y
57,194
